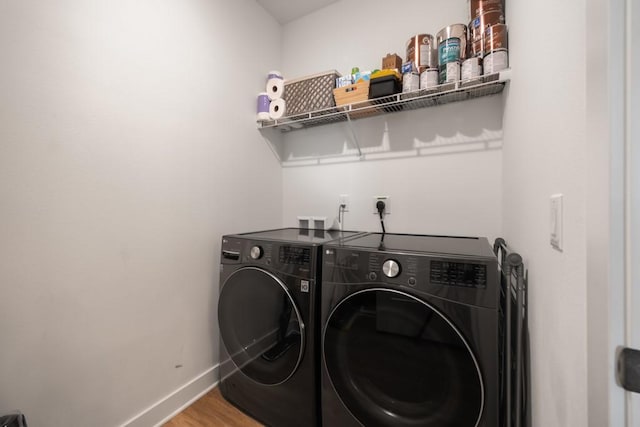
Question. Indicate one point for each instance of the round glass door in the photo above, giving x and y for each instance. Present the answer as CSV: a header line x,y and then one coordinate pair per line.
x,y
395,360
260,326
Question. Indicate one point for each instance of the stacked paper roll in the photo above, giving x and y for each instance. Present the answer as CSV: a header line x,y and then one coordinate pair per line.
x,y
271,105
277,109
275,85
263,106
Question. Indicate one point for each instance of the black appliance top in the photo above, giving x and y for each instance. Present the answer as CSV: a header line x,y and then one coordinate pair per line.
x,y
426,244
302,235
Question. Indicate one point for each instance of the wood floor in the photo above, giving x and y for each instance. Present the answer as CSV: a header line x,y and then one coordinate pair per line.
x,y
212,410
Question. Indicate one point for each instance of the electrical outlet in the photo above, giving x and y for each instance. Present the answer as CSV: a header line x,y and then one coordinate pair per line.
x,y
344,200
387,205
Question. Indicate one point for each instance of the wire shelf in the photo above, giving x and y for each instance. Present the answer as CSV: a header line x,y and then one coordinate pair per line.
x,y
423,98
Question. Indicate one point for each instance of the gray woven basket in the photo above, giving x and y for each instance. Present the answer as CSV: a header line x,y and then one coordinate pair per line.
x,y
310,93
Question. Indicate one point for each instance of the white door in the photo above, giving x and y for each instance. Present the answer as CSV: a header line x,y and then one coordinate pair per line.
x,y
631,201
623,407
633,194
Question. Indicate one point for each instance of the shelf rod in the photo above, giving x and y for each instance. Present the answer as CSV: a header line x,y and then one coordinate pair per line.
x,y
353,133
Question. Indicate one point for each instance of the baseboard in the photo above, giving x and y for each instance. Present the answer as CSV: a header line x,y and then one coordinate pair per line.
x,y
176,401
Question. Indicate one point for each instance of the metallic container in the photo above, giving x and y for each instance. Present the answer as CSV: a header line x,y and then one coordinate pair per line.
x,y
458,31
496,38
477,28
477,7
471,68
496,45
422,51
452,50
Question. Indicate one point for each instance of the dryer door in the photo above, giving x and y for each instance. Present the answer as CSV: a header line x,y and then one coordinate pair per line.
x,y
260,325
393,359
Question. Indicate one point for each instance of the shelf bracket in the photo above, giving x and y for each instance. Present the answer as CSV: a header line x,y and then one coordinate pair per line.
x,y
354,137
270,135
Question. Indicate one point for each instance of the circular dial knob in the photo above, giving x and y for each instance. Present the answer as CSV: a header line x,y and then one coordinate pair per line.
x,y
256,252
391,268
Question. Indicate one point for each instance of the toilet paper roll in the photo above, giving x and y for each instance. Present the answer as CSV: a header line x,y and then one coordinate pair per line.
x,y
263,106
277,108
274,75
275,88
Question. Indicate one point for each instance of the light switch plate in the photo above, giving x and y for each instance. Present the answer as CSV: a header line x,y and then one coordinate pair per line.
x,y
555,223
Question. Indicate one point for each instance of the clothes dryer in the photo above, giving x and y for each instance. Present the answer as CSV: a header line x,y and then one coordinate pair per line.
x,y
410,332
268,328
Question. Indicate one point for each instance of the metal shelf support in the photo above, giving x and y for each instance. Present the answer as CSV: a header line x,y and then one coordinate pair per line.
x,y
354,136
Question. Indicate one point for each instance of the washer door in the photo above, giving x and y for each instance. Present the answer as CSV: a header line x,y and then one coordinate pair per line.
x,y
260,326
395,360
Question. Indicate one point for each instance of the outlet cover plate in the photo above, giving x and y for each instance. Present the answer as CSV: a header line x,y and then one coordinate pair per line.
x,y
387,204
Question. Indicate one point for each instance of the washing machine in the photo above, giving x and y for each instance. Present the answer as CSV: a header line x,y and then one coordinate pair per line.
x,y
410,332
267,312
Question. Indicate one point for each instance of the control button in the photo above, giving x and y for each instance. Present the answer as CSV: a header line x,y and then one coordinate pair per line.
x,y
412,281
391,268
373,275
256,252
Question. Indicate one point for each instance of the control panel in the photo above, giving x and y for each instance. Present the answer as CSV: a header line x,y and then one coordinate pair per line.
x,y
294,255
464,274
468,280
291,259
406,269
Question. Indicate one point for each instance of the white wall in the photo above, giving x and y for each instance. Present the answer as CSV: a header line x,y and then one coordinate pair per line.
x,y
542,151
127,148
442,167
545,153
